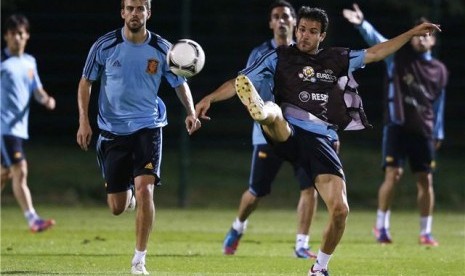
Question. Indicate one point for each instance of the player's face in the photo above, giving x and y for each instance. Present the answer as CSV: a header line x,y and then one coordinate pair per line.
x,y
135,14
281,21
16,40
422,44
309,35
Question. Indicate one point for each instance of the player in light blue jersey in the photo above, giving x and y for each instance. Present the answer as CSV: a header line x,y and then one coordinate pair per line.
x,y
265,164
130,63
298,124
20,81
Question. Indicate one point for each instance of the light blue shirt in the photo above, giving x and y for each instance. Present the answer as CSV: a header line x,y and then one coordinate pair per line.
x,y
19,79
130,77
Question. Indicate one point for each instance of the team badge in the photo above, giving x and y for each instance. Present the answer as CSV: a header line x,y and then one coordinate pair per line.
x,y
152,66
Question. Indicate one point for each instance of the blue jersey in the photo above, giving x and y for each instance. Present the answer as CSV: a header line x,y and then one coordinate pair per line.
x,y
130,77
263,70
19,80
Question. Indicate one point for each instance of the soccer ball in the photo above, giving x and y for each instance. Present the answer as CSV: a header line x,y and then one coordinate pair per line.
x,y
185,58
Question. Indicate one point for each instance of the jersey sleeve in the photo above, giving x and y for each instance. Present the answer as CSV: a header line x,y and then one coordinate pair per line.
x,y
356,58
94,63
262,68
36,83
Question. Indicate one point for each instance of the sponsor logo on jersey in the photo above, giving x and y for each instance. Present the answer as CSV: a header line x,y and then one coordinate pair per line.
x,y
307,74
262,155
304,96
116,63
326,76
149,166
152,66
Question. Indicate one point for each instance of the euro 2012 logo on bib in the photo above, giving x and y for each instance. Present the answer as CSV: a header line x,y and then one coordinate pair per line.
x,y
307,74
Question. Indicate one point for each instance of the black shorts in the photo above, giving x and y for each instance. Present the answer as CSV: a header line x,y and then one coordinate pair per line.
x,y
123,157
265,167
312,152
399,145
12,150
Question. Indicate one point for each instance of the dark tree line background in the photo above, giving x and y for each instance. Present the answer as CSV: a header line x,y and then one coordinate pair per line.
x,y
63,31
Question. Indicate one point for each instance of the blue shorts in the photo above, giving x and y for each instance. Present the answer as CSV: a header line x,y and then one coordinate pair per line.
x,y
12,150
398,145
310,151
123,157
265,167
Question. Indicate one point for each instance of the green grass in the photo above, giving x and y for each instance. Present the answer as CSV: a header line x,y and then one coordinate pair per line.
x,y
90,241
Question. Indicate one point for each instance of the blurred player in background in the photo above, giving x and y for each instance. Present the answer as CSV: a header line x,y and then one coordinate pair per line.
x,y
297,124
414,120
131,116
20,81
265,163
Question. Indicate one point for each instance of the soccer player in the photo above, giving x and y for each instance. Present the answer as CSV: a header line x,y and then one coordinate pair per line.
x,y
297,124
131,116
20,81
414,116
265,163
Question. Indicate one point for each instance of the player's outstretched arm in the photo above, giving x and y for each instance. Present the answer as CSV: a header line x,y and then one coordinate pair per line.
x,y
84,134
224,92
382,50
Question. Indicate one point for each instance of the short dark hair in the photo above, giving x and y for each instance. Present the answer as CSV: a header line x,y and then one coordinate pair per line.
x,y
315,14
148,4
16,21
282,3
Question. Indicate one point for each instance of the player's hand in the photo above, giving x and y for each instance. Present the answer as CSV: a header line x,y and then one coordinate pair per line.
x,y
192,124
201,109
425,29
354,16
50,103
336,146
84,136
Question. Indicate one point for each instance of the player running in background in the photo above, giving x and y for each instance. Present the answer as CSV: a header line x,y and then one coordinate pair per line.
x,y
20,81
131,116
414,120
265,163
297,124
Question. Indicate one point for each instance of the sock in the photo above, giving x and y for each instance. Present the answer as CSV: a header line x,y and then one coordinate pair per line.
x,y
301,240
426,225
380,219
239,226
31,216
139,256
387,220
322,261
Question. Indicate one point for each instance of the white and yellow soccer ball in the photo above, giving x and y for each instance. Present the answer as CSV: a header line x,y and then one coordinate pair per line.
x,y
185,58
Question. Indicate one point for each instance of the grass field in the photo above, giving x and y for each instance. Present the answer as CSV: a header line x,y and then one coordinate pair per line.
x,y
89,241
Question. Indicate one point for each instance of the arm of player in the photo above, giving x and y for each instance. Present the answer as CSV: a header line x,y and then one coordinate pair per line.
x,y
84,134
185,96
224,92
382,50
41,96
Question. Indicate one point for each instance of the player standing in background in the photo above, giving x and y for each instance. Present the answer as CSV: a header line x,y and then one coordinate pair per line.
x,y
131,116
297,125
414,120
265,163
20,81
